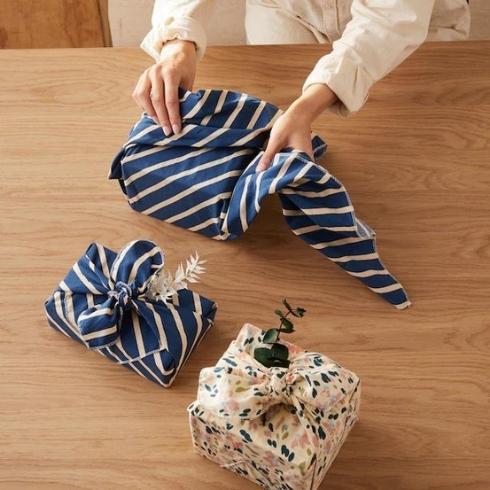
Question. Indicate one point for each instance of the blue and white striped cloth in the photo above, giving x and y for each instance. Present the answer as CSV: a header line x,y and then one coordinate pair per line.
x,y
204,179
102,304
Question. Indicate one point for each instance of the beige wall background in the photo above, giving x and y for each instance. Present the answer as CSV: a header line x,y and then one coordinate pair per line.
x,y
480,19
91,23
131,19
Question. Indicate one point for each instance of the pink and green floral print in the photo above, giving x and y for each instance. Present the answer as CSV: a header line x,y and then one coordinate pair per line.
x,y
279,427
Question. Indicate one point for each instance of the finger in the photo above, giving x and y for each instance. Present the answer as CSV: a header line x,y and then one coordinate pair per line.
x,y
141,95
306,149
172,101
158,100
310,148
187,83
272,148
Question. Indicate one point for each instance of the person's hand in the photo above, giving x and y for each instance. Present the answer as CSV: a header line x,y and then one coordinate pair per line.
x,y
293,127
157,89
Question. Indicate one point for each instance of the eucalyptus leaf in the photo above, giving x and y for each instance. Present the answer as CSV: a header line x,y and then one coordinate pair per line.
x,y
263,355
300,311
287,325
280,363
279,352
287,305
297,312
271,336
279,313
277,355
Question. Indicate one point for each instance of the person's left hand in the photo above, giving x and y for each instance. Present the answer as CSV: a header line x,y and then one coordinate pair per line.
x,y
293,127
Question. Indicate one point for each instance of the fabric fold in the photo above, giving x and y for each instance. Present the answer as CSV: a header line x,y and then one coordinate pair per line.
x,y
204,179
248,390
274,425
102,303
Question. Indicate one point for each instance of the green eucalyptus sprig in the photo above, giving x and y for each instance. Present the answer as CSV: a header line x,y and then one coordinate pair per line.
x,y
277,355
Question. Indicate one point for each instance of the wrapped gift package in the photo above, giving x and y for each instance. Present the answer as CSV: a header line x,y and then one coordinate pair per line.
x,y
104,303
279,427
204,179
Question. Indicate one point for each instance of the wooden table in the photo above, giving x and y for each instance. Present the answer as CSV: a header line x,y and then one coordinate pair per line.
x,y
416,162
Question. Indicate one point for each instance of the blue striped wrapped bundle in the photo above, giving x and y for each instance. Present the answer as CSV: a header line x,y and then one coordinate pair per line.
x,y
103,304
204,179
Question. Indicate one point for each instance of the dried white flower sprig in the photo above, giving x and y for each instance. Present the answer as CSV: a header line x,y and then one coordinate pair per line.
x,y
163,285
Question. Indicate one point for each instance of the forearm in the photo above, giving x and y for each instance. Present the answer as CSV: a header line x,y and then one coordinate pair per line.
x,y
374,42
178,19
312,102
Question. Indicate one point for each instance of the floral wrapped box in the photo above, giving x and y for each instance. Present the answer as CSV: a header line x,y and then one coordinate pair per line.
x,y
128,308
280,427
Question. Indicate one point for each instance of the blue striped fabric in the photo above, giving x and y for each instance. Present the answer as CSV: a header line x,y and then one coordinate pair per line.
x,y
204,179
101,303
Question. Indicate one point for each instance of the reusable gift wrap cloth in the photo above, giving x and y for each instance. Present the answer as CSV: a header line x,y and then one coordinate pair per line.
x,y
279,427
204,179
103,304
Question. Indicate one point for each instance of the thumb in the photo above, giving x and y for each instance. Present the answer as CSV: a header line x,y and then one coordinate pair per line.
x,y
265,162
309,152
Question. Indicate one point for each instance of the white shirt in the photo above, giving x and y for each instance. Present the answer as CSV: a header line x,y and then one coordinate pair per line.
x,y
369,37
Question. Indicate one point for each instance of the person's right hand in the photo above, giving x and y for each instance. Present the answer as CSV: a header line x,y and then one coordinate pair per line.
x,y
157,89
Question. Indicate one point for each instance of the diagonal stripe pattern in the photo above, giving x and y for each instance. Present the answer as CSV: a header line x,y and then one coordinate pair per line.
x,y
204,179
102,303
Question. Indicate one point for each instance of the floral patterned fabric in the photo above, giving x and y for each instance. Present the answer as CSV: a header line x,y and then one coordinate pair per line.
x,y
279,427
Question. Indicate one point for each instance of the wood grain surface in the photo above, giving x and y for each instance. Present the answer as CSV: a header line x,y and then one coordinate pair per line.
x,y
53,24
416,162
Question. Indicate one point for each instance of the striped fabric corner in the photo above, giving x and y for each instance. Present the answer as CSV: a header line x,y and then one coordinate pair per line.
x,y
101,303
204,179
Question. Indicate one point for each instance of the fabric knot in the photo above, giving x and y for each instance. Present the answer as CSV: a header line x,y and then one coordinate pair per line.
x,y
240,387
280,384
123,294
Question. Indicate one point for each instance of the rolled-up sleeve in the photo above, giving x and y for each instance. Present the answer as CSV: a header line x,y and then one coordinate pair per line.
x,y
178,19
380,35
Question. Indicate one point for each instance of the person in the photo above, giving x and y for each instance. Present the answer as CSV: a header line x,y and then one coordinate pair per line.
x,y
369,39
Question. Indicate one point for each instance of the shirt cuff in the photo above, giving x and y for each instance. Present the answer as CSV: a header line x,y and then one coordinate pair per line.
x,y
346,78
170,28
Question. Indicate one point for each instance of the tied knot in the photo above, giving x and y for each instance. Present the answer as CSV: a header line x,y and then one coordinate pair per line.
x,y
123,294
280,384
